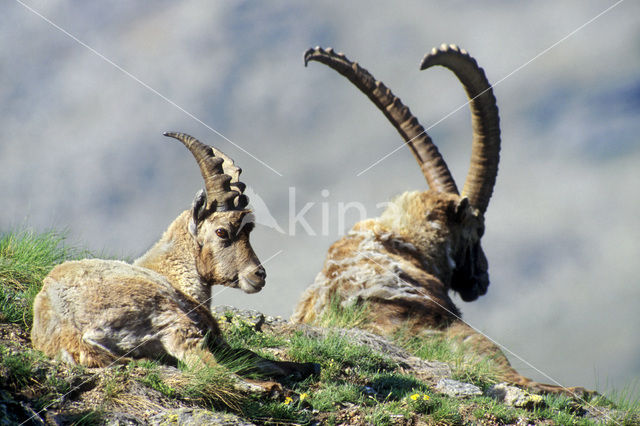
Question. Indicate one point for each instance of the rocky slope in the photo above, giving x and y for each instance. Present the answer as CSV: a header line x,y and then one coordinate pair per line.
x,y
366,379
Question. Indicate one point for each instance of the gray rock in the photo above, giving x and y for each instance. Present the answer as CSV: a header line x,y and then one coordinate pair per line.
x,y
196,416
514,396
431,371
121,419
228,314
457,389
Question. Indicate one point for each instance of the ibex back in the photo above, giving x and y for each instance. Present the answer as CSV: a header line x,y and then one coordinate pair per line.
x,y
404,263
95,312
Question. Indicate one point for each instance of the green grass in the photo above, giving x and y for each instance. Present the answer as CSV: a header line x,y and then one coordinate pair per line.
x,y
446,411
331,396
27,373
211,386
241,334
153,379
337,354
25,259
275,412
625,399
396,386
386,414
90,417
488,408
20,369
437,409
352,316
481,371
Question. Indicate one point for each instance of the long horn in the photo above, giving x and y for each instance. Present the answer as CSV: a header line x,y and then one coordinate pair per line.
x,y
433,166
214,166
485,151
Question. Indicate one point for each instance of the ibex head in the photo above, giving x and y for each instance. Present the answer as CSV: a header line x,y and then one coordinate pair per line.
x,y
220,224
457,221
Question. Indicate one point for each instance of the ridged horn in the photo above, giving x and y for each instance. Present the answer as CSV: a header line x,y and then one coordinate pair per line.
x,y
485,121
219,173
433,166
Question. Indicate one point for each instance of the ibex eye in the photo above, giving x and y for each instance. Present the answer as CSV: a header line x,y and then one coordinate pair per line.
x,y
222,233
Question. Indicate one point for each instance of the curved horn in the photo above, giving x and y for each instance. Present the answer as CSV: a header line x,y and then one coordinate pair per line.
x,y
230,168
433,166
219,173
485,151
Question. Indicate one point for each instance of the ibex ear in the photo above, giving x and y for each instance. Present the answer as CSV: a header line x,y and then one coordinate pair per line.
x,y
197,211
461,209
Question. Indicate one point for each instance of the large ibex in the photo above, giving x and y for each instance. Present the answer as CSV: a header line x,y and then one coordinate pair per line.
x,y
403,263
96,312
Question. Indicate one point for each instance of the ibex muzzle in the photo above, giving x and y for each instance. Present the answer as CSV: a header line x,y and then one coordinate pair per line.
x,y
96,312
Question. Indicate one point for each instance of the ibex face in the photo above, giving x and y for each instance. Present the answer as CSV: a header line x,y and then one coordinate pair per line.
x,y
442,225
98,312
403,264
220,225
470,276
225,254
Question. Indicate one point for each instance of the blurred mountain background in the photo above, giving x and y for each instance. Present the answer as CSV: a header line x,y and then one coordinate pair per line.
x,y
81,145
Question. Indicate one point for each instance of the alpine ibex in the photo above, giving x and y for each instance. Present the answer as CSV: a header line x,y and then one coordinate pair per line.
x,y
403,263
95,312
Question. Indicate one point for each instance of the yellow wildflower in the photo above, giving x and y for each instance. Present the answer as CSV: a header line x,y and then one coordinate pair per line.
x,y
535,399
415,396
425,397
288,400
304,396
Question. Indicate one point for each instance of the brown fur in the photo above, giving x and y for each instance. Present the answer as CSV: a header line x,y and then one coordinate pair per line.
x,y
95,312
401,266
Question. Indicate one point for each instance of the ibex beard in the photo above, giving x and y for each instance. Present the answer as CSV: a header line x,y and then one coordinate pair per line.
x,y
403,265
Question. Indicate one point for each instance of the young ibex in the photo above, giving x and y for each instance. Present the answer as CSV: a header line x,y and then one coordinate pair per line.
x,y
95,312
403,264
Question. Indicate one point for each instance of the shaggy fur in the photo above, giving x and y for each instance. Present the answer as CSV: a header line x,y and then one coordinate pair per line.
x,y
95,312
403,264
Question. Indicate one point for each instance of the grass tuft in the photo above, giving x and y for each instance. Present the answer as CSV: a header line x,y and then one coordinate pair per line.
x,y
467,366
276,413
210,386
354,315
333,395
213,386
20,370
388,414
241,334
396,386
336,354
25,259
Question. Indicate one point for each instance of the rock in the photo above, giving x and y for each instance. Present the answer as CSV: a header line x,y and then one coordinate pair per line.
x,y
121,419
15,412
457,389
196,416
228,314
430,371
514,396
